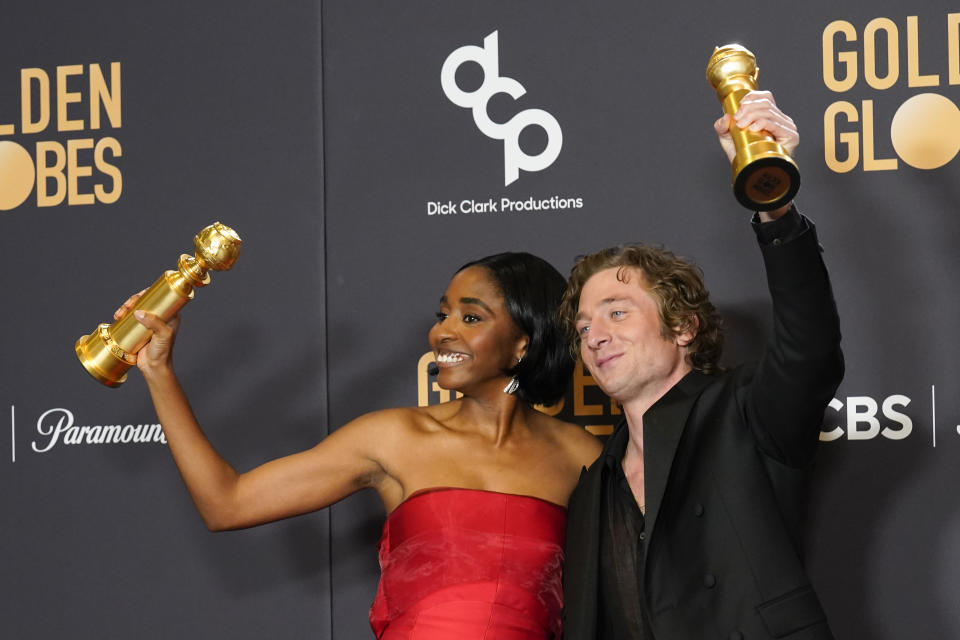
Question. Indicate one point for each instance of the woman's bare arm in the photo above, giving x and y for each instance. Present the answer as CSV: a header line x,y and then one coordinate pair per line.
x,y
341,464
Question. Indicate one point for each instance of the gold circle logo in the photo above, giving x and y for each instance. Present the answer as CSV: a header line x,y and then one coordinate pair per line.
x,y
16,175
926,131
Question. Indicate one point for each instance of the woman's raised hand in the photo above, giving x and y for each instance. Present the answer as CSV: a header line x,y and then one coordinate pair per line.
x,y
157,354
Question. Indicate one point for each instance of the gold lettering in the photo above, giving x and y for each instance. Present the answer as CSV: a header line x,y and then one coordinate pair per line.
x,y
26,100
7,130
870,53
75,171
65,97
850,140
846,59
423,379
104,196
953,45
914,79
99,95
870,161
47,171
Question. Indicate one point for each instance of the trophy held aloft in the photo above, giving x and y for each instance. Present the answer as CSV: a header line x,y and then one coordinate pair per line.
x,y
109,352
765,177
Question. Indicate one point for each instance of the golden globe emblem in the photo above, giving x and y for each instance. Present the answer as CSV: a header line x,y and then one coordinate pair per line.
x,y
765,177
109,351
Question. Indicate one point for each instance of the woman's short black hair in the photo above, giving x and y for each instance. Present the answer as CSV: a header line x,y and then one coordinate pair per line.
x,y
532,289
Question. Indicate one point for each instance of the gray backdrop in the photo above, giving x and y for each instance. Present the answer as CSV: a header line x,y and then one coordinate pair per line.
x,y
322,133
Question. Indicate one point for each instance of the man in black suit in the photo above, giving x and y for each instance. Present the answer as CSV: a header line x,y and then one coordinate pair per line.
x,y
688,526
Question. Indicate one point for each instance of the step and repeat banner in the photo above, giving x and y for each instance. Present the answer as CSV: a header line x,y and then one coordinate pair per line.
x,y
363,151
125,129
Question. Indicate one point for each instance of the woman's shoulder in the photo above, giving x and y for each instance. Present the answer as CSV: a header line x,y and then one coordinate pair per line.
x,y
385,434
413,417
562,428
582,446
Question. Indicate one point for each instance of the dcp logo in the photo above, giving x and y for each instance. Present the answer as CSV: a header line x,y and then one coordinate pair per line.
x,y
514,158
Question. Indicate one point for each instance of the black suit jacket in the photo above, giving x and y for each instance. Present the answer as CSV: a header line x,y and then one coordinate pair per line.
x,y
726,464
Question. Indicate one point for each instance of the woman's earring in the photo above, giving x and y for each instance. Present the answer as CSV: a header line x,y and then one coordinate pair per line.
x,y
514,384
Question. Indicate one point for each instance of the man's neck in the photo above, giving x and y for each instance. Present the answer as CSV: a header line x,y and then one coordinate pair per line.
x,y
635,408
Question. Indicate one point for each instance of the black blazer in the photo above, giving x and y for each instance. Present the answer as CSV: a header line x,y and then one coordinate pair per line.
x,y
726,463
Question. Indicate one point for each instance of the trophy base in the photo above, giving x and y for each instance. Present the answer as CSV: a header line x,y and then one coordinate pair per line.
x,y
767,183
103,358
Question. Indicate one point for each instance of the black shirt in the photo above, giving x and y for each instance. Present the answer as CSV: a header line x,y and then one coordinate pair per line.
x,y
620,608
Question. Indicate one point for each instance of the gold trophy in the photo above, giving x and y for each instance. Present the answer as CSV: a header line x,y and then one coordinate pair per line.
x,y
765,177
109,352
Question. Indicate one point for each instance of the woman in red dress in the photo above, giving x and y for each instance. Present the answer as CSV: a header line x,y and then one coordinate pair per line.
x,y
475,489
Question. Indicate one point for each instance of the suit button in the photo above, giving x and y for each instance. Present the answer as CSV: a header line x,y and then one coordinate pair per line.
x,y
643,535
709,581
698,510
736,635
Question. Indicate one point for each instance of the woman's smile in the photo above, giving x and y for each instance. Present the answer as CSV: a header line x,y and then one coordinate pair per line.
x,y
451,358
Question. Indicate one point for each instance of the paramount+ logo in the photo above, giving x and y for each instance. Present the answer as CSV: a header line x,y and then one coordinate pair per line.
x,y
59,153
863,61
514,158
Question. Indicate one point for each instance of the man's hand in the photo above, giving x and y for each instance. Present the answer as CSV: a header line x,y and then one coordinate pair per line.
x,y
759,112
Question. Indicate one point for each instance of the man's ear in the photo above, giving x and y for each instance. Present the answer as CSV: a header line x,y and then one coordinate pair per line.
x,y
685,333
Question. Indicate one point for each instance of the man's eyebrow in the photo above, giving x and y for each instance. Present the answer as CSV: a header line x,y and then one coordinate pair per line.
x,y
605,301
613,299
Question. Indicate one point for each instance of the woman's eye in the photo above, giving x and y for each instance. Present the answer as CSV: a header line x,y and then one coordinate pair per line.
x,y
583,330
470,318
441,316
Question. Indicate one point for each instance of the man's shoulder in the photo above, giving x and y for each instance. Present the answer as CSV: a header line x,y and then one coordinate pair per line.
x,y
588,488
694,384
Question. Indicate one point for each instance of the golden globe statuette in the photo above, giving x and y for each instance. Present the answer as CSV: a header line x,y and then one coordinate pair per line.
x,y
109,351
765,177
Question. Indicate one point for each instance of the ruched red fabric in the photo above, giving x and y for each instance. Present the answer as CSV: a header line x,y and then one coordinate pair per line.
x,y
470,565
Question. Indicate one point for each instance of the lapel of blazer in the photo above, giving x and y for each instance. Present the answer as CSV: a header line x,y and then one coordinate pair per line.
x,y
663,426
581,570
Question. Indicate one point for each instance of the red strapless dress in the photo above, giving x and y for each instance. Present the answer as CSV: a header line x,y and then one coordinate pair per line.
x,y
467,564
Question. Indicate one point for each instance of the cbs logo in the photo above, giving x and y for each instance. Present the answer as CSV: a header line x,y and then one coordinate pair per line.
x,y
863,419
